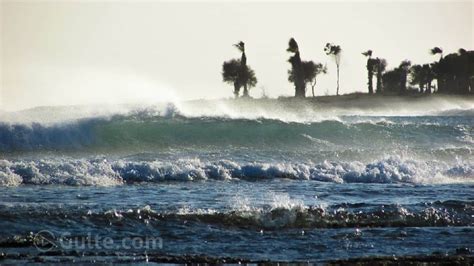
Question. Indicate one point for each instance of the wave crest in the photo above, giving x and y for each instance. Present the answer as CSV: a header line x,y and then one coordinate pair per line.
x,y
102,172
448,213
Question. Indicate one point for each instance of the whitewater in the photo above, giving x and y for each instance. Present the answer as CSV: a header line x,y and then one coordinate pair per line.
x,y
257,179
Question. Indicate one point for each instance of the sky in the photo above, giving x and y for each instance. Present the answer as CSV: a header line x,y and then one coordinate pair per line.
x,y
91,52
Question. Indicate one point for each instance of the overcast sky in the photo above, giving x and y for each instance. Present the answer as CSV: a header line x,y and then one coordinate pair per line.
x,y
83,52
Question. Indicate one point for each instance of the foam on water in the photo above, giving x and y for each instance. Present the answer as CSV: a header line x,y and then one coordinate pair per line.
x,y
101,172
281,213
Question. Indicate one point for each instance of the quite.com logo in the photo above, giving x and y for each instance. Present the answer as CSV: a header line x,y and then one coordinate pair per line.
x,y
46,240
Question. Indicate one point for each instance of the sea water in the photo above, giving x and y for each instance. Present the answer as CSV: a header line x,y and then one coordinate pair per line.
x,y
258,180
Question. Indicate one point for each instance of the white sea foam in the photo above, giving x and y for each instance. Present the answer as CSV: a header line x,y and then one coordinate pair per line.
x,y
104,173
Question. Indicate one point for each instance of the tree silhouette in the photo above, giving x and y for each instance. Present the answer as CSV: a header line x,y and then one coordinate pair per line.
x,y
455,72
436,69
404,68
437,50
230,74
370,70
395,81
310,72
391,81
313,71
422,75
238,73
417,77
429,76
334,51
296,74
380,66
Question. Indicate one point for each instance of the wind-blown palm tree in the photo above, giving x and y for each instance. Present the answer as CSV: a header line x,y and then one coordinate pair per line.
x,y
296,73
310,71
370,70
437,50
334,51
436,69
238,73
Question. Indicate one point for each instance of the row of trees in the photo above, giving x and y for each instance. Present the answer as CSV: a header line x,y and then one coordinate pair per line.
x,y
302,73
454,73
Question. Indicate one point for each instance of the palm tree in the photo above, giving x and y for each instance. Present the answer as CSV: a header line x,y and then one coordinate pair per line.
x,y
429,76
418,77
370,70
310,71
404,68
237,72
381,65
456,72
437,50
296,73
436,69
243,67
335,51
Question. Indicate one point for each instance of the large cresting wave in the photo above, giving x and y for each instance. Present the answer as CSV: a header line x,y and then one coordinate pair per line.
x,y
151,130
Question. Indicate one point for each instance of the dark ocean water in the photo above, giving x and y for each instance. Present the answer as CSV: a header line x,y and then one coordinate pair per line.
x,y
168,181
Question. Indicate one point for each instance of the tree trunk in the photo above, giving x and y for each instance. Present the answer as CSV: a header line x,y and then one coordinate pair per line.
x,y
379,82
439,81
471,84
337,91
236,89
312,87
370,83
300,92
403,82
246,92
464,80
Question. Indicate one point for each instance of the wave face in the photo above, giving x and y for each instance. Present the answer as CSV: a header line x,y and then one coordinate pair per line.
x,y
146,130
104,173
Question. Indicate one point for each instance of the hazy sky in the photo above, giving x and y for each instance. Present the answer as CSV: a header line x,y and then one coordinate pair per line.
x,y
82,52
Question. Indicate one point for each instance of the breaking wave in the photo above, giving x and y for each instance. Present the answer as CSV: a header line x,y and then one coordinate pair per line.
x,y
148,129
269,217
100,172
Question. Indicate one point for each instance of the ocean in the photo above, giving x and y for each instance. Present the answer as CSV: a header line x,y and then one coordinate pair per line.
x,y
250,180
